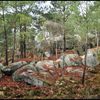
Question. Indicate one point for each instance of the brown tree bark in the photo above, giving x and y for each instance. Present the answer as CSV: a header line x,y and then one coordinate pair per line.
x,y
24,42
5,37
21,43
86,49
13,54
64,29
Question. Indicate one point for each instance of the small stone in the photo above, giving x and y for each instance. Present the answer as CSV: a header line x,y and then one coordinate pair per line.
x,y
4,88
72,81
1,93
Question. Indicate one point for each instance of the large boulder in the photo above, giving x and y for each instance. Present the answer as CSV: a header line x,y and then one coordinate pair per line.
x,y
70,60
8,70
40,64
28,78
91,58
25,74
76,71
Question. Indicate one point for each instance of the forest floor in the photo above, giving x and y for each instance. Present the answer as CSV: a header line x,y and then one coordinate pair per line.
x,y
62,89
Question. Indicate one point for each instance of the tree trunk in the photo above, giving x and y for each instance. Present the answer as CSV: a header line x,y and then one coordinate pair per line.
x,y
21,39
86,48
84,70
64,29
56,51
21,43
5,37
24,43
14,45
24,47
64,42
97,40
13,54
21,49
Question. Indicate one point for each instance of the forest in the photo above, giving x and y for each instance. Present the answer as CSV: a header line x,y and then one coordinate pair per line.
x,y
49,49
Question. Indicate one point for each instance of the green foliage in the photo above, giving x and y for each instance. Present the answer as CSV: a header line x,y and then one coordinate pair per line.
x,y
39,37
24,19
68,18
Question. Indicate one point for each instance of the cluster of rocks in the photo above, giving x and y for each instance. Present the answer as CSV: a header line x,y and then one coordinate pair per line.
x,y
34,73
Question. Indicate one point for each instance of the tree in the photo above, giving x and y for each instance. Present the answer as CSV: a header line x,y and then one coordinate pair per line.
x,y
86,21
23,20
94,14
3,8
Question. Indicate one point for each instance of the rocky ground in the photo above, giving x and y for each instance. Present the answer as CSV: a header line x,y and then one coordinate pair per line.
x,y
64,88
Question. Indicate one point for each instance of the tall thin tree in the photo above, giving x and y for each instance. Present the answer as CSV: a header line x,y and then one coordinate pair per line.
x,y
5,34
84,71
